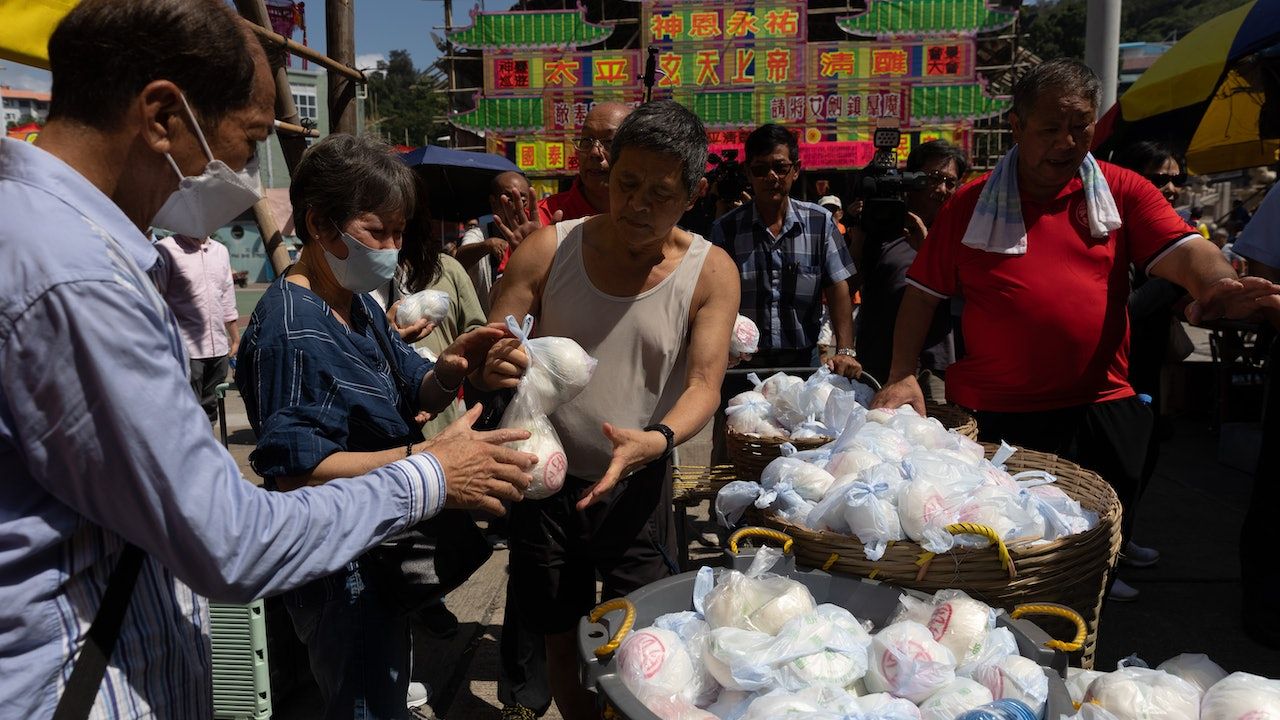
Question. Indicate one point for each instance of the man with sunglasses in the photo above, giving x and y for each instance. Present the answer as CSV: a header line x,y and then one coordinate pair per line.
x,y
790,256
883,280
589,194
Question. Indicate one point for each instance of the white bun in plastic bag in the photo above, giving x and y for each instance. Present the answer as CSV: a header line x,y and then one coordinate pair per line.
x,y
743,398
431,305
1018,678
745,339
548,475
809,481
793,602
853,461
907,662
654,663
776,383
883,706
1241,696
1195,668
1134,693
1078,682
961,624
956,697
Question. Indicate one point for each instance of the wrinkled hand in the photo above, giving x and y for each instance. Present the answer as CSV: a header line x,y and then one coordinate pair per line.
x,y
518,220
1234,299
413,333
479,473
467,352
504,366
631,449
845,366
903,392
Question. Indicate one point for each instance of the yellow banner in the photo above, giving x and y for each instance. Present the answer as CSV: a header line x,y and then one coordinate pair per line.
x,y
25,27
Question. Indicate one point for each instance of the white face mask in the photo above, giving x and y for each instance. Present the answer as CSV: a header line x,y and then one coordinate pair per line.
x,y
205,202
363,269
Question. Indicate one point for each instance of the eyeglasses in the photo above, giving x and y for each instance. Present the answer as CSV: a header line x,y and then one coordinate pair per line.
x,y
779,168
587,144
940,179
1162,179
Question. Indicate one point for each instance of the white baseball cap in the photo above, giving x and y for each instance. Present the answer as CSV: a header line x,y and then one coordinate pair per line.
x,y
830,200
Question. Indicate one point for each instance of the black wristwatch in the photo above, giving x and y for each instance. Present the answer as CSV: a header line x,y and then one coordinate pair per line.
x,y
668,433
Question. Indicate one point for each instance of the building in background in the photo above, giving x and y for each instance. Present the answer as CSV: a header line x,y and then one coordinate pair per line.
x,y
1135,58
23,106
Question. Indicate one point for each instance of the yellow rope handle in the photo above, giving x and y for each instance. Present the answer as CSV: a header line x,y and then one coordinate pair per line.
x,y
1061,611
620,634
831,560
760,532
966,528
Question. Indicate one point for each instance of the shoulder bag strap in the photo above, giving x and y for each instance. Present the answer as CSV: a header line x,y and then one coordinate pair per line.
x,y
86,677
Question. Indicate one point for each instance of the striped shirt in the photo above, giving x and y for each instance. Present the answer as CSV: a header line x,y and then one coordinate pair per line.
x,y
313,387
102,442
783,278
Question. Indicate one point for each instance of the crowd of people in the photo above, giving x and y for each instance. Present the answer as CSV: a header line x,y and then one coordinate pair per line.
x,y
1012,296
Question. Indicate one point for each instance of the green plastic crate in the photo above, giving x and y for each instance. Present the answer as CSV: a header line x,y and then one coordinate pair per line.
x,y
241,680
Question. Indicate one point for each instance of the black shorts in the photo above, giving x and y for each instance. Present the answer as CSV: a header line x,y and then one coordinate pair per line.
x,y
627,538
1109,438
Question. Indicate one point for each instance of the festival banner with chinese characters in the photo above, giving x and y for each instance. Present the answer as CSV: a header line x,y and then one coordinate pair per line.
x,y
918,62
670,24
526,72
738,64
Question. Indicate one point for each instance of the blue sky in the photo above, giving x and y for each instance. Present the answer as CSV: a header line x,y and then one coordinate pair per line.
x,y
381,26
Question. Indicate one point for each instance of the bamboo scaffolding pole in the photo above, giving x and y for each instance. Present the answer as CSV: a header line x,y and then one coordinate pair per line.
x,y
303,51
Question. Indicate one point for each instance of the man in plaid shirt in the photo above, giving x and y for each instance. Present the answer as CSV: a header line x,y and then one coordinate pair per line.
x,y
790,256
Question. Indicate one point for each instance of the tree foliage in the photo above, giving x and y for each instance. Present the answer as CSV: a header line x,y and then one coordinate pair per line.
x,y
1056,28
405,105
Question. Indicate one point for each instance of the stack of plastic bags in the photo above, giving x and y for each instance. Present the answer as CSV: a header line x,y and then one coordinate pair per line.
x,y
1185,687
558,370
758,646
893,475
785,406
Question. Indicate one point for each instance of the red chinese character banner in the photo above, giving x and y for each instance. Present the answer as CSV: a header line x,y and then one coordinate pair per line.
x,y
918,62
710,25
507,74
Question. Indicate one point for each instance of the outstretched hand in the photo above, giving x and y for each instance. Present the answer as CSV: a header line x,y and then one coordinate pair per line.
x,y
518,220
1234,299
631,450
479,472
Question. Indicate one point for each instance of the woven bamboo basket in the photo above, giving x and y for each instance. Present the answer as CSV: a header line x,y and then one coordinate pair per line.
x,y
1071,571
750,455
695,483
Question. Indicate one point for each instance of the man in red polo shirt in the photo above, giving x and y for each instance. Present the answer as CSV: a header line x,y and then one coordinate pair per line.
x,y
589,194
1045,323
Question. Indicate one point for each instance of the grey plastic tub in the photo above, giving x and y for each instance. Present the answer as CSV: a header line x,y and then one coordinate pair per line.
x,y
866,599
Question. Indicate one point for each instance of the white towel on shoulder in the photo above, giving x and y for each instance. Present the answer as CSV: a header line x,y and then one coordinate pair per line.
x,y
997,225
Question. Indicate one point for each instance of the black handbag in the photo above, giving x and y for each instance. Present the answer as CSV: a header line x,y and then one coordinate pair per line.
x,y
423,564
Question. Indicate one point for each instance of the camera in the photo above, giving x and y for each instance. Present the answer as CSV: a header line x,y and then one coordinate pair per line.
x,y
728,180
880,186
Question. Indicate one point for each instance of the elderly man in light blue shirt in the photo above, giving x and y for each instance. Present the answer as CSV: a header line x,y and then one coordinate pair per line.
x,y
102,445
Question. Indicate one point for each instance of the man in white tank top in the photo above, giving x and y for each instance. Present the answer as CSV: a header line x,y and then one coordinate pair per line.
x,y
655,305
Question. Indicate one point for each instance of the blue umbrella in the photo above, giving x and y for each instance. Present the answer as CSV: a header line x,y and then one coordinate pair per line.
x,y
457,182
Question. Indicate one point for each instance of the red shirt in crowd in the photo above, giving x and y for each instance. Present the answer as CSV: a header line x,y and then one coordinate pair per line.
x,y
1048,329
572,203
